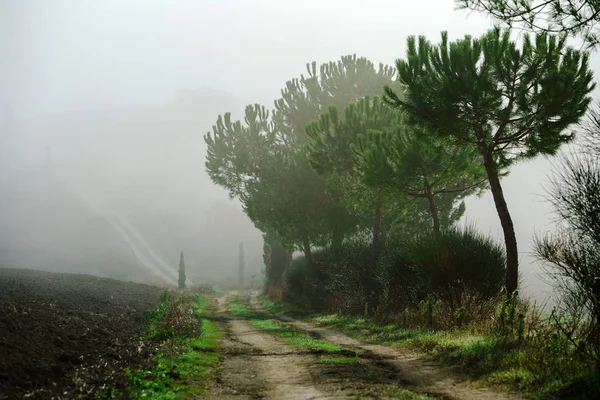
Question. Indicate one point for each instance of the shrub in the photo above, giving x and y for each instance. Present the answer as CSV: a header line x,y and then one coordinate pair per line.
x,y
350,282
403,279
456,261
459,268
573,254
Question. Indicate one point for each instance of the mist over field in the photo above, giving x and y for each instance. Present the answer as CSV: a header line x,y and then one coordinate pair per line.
x,y
114,193
105,104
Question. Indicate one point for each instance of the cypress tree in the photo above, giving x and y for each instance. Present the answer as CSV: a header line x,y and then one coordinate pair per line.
x,y
181,272
241,263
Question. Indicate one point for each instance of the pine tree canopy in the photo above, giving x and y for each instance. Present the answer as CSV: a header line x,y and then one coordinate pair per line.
x,y
263,160
373,146
509,102
513,101
567,17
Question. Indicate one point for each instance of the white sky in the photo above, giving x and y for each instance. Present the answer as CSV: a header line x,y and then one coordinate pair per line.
x,y
65,55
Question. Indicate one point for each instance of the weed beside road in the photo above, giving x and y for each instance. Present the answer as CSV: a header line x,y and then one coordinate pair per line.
x,y
186,341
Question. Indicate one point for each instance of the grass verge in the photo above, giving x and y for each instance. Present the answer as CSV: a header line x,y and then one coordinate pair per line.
x,y
485,359
186,340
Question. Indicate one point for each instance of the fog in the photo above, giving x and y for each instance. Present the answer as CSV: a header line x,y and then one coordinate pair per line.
x,y
105,104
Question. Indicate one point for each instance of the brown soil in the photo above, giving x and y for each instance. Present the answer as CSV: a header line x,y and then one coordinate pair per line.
x,y
62,334
256,365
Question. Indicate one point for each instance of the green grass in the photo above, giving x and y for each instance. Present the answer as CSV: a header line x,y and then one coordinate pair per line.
x,y
484,359
239,308
277,308
180,374
292,336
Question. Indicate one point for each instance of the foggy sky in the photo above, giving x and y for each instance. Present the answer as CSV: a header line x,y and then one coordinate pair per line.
x,y
62,56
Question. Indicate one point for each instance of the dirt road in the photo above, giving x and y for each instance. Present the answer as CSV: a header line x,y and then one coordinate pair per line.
x,y
258,365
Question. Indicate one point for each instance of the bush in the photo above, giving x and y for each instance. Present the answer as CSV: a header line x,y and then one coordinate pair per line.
x,y
305,282
458,261
456,267
573,254
350,281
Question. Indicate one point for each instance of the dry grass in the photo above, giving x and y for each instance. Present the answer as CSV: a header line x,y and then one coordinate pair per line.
x,y
276,293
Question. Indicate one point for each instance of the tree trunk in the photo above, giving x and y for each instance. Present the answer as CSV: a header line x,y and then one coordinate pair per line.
x,y
267,260
306,247
288,262
433,209
337,238
279,261
376,246
510,238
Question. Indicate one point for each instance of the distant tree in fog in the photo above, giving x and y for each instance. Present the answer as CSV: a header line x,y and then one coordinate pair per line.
x,y
264,162
181,272
241,263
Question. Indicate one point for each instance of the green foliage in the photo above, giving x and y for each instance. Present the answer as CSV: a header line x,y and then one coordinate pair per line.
x,y
263,161
164,296
332,135
412,163
380,311
156,316
569,17
184,359
507,102
371,149
458,260
572,255
449,266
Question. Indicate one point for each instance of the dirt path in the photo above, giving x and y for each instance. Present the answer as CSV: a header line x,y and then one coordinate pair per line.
x,y
257,365
418,374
